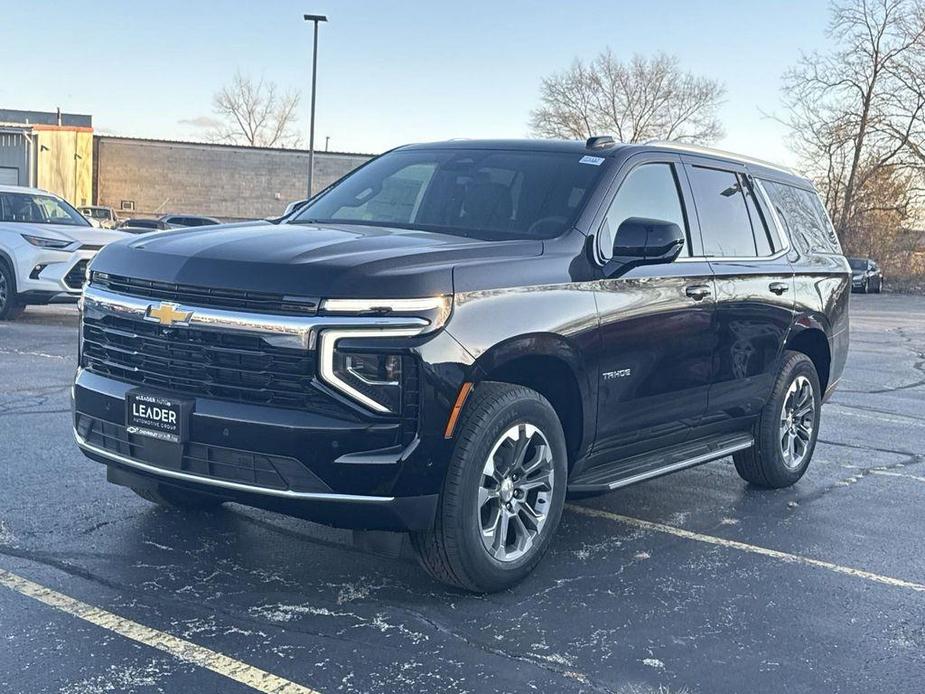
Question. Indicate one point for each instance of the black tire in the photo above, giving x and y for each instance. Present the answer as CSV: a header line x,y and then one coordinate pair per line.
x,y
179,499
879,286
764,463
11,307
453,551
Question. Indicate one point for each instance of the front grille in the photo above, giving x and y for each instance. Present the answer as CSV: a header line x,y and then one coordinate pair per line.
x,y
217,462
76,276
236,299
224,366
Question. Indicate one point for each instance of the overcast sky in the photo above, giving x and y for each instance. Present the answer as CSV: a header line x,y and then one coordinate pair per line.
x,y
389,72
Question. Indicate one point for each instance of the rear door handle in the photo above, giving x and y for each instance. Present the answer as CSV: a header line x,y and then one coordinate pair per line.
x,y
778,287
698,292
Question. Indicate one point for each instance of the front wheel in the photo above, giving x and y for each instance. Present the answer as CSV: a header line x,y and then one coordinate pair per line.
x,y
503,494
10,306
785,435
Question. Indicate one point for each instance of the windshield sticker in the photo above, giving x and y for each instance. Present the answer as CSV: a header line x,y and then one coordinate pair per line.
x,y
593,161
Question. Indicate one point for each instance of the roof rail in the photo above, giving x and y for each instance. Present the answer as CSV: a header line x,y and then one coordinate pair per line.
x,y
712,151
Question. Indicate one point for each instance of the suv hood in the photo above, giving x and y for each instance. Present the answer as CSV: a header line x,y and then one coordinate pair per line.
x,y
83,235
344,261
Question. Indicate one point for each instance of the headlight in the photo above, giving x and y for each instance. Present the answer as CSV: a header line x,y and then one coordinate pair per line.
x,y
435,309
46,243
375,377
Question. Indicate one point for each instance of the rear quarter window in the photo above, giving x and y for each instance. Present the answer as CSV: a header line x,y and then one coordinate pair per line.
x,y
804,218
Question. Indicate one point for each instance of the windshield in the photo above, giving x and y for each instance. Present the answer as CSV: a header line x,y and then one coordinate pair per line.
x,y
38,209
857,263
492,194
95,212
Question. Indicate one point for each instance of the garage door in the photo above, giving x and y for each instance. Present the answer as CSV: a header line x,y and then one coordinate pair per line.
x,y
9,176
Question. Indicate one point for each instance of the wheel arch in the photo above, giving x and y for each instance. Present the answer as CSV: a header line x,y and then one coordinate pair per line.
x,y
550,365
7,258
811,340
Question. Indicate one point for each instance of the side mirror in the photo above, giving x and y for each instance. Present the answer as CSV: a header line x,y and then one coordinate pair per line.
x,y
644,242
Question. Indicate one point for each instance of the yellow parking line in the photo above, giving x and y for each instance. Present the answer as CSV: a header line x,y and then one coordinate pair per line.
x,y
745,547
250,676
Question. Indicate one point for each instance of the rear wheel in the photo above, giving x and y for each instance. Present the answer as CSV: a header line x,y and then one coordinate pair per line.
x,y
785,435
180,499
503,494
10,306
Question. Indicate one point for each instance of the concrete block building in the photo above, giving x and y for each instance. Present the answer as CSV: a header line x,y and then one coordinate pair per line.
x,y
139,177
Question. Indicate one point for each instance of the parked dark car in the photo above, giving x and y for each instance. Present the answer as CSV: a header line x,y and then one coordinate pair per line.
x,y
141,226
866,275
174,221
455,335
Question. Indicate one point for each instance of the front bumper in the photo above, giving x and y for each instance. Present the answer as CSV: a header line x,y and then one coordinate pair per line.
x,y
340,510
47,273
339,471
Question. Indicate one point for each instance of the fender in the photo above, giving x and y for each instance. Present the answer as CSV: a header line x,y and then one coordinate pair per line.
x,y
531,347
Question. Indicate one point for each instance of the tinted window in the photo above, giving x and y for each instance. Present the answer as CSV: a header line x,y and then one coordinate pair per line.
x,y
721,208
495,194
649,191
803,217
41,209
764,243
857,263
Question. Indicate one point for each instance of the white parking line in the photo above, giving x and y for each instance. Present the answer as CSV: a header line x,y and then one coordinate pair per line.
x,y
745,547
250,676
886,473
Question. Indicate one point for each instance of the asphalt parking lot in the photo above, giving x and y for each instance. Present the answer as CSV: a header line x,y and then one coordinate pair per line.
x,y
690,583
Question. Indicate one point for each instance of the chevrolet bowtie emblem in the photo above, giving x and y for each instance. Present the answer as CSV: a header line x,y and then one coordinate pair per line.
x,y
167,314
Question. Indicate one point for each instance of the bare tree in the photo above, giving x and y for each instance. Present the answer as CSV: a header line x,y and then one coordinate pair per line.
x,y
643,99
857,113
255,113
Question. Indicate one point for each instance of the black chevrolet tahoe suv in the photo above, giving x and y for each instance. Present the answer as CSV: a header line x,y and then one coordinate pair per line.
x,y
454,336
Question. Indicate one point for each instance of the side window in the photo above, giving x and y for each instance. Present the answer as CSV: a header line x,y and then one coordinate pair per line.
x,y
765,244
649,191
725,224
804,218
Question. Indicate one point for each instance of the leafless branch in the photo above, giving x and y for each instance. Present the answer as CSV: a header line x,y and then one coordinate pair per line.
x,y
254,113
642,99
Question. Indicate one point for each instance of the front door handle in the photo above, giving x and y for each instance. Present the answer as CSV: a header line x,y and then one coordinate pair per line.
x,y
778,287
698,292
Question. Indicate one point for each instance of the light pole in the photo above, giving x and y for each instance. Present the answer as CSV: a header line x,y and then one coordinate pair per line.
x,y
316,19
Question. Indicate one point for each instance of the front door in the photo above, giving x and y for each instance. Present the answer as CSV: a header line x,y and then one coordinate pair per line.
x,y
657,332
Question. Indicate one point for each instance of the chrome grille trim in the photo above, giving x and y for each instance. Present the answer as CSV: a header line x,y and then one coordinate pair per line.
x,y
280,331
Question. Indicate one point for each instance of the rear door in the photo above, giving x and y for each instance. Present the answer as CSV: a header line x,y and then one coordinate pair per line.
x,y
656,321
754,289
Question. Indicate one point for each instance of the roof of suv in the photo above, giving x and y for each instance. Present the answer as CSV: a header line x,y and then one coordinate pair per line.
x,y
608,150
24,189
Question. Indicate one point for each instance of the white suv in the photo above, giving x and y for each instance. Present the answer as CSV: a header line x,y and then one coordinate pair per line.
x,y
45,246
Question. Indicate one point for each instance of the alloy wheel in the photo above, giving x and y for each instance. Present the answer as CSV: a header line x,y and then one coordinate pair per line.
x,y
515,492
797,420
